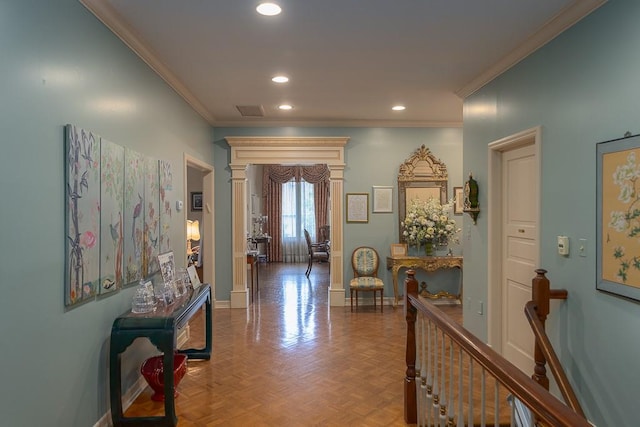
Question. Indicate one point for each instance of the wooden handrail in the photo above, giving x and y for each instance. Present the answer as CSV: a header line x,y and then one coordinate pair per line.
x,y
536,312
543,404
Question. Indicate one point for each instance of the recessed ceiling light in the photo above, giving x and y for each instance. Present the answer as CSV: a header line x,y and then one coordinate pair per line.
x,y
268,9
285,107
280,79
398,107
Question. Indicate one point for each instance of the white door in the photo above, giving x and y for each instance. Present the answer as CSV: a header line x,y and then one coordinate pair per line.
x,y
519,251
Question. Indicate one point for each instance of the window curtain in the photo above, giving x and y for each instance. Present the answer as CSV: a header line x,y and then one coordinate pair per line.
x,y
274,176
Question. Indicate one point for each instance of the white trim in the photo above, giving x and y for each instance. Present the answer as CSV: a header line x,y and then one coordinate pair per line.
x,y
567,17
208,217
494,246
127,400
264,150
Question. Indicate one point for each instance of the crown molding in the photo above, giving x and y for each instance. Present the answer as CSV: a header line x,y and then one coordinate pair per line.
x,y
113,20
567,17
339,123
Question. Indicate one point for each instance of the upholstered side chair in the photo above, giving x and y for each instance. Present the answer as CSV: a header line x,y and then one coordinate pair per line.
x,y
365,262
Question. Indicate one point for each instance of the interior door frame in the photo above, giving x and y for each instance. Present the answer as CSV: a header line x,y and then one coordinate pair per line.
x,y
208,217
495,252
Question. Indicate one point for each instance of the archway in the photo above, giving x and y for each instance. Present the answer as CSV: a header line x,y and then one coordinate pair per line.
x,y
247,151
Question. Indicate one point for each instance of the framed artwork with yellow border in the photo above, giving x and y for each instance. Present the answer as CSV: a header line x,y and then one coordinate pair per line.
x,y
618,217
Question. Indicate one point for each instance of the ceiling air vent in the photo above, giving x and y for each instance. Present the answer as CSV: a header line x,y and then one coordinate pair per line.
x,y
251,110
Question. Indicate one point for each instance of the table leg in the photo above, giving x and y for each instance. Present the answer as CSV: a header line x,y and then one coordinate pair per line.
x,y
394,274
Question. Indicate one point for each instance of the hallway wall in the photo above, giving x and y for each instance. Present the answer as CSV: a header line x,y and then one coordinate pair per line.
x,y
582,88
61,65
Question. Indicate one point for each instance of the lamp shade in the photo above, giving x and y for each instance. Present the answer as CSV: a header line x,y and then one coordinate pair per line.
x,y
193,230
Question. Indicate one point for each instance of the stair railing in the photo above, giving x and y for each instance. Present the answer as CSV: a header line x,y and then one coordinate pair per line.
x,y
537,311
454,379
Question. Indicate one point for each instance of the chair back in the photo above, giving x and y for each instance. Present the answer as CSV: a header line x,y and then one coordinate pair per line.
x,y
365,261
308,239
324,232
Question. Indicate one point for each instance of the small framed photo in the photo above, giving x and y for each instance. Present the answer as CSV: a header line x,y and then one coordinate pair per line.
x,y
357,207
458,200
167,266
196,200
382,199
193,276
398,249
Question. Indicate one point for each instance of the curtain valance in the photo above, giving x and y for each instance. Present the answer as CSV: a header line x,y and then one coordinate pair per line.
x,y
281,174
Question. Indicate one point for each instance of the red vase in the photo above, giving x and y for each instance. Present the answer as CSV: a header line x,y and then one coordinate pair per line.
x,y
152,370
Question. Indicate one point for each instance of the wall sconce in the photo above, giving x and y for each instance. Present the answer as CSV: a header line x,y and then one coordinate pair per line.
x,y
193,233
471,205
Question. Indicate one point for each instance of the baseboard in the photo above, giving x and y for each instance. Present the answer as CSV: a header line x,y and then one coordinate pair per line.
x,y
127,400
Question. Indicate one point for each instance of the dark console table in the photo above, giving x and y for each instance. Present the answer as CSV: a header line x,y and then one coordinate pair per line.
x,y
160,328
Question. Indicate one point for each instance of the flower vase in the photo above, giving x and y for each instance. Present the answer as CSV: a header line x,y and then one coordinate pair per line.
x,y
428,248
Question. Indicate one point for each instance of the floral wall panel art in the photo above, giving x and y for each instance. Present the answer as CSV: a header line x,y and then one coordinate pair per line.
x,y
152,216
111,212
166,199
618,261
82,270
133,215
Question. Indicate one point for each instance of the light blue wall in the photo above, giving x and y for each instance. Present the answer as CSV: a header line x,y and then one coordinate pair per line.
x,y
61,65
582,88
373,156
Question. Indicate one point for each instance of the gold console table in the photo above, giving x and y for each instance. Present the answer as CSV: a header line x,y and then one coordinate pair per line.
x,y
426,263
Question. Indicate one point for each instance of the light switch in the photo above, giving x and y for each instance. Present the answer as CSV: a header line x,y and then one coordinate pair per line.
x,y
582,247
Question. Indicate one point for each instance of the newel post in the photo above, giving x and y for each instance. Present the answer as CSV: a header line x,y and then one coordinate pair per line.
x,y
540,294
410,402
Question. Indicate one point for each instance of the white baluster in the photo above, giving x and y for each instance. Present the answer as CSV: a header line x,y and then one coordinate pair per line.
x,y
483,403
460,390
443,376
436,389
429,383
419,367
471,391
496,417
451,386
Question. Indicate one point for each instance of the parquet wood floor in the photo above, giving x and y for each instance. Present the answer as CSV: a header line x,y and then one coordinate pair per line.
x,y
291,360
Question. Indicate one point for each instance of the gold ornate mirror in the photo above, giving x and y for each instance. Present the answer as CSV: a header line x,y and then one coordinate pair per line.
x,y
421,176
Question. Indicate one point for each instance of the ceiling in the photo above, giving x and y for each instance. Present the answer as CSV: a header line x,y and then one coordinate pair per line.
x,y
349,61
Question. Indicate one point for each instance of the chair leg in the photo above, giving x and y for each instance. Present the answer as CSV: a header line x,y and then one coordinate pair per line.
x,y
381,301
351,300
306,273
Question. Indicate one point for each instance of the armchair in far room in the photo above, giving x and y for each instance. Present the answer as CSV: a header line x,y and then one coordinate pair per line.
x,y
317,251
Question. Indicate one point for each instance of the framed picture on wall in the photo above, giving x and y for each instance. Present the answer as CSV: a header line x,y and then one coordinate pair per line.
x,y
196,201
458,200
618,217
357,207
382,199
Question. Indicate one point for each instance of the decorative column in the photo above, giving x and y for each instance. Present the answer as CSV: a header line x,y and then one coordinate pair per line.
x,y
239,294
336,277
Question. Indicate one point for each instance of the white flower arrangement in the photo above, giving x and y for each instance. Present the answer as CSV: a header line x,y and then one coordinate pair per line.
x,y
429,221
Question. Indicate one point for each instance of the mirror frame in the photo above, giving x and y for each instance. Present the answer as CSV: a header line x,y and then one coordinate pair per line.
x,y
421,170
